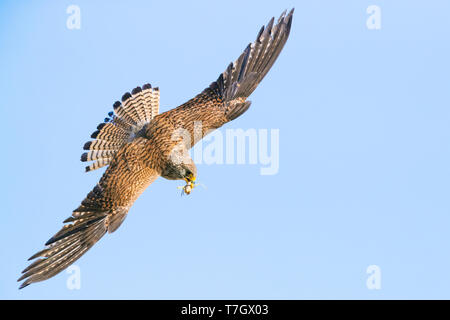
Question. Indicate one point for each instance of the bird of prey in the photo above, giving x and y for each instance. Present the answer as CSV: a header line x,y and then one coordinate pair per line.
x,y
138,145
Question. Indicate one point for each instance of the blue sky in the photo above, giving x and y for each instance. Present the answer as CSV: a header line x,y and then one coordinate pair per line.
x,y
363,117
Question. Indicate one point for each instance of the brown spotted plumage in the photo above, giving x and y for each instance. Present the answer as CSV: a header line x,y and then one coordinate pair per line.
x,y
138,145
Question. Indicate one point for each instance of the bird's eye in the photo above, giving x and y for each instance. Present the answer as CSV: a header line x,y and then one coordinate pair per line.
x,y
189,175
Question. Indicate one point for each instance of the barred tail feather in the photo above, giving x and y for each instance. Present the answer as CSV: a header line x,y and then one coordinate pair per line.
x,y
99,163
122,125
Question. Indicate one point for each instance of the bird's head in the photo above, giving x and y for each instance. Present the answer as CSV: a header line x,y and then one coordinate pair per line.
x,y
189,177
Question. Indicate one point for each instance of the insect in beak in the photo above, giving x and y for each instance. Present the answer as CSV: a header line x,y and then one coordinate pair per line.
x,y
190,184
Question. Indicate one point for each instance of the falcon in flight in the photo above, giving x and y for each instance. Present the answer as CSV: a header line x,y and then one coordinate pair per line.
x,y
139,144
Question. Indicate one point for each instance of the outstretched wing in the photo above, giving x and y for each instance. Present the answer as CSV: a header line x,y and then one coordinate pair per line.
x,y
119,143
226,98
123,125
103,210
